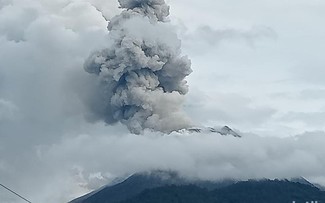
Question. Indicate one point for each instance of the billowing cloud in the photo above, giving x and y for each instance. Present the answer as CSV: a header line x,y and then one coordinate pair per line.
x,y
41,46
88,162
141,75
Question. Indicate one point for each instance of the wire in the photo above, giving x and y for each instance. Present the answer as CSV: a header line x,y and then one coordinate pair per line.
x,y
15,193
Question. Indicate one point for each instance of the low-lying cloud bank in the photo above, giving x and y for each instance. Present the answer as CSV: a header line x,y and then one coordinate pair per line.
x,y
95,161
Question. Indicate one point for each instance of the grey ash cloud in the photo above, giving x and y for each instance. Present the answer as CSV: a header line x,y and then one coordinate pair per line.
x,y
141,73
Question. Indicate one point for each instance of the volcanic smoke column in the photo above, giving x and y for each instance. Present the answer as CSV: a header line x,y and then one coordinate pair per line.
x,y
141,72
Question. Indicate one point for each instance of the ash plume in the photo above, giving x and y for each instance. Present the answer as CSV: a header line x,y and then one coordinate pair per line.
x,y
141,73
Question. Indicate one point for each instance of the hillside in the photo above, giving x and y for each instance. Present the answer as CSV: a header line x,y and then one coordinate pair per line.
x,y
266,191
169,187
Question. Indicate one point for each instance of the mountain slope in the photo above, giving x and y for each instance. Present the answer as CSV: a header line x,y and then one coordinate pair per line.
x,y
138,183
266,191
168,187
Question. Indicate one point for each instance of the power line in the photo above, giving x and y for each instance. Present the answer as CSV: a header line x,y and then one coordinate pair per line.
x,y
15,193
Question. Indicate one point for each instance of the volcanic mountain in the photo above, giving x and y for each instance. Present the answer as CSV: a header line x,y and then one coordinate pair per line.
x,y
140,182
169,186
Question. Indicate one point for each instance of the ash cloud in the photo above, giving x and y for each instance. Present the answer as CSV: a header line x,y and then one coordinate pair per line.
x,y
156,9
140,75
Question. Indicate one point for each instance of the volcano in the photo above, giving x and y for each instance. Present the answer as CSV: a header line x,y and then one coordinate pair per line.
x,y
168,186
224,131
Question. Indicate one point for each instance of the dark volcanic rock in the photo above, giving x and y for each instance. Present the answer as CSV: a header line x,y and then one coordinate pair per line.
x,y
140,182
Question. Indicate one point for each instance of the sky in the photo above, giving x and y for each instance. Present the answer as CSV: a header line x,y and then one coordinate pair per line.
x,y
257,67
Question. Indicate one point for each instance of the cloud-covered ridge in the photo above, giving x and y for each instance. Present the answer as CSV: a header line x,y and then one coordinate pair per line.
x,y
193,155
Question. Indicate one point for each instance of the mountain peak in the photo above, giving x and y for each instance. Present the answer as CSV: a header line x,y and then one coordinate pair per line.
x,y
228,131
225,131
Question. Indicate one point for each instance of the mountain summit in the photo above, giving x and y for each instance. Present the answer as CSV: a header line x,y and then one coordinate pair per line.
x,y
225,131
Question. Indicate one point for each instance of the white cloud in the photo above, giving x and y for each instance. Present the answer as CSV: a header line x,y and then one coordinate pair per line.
x,y
43,45
307,118
81,163
227,108
206,38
